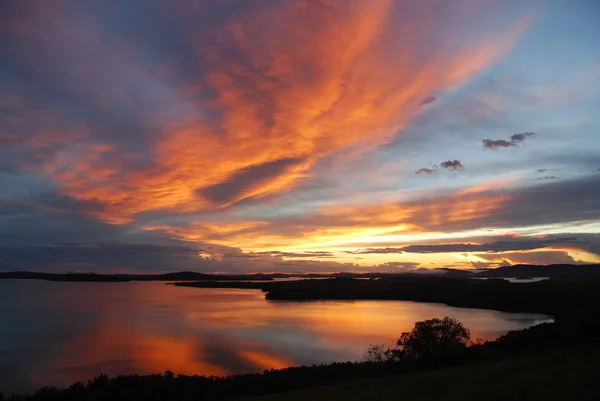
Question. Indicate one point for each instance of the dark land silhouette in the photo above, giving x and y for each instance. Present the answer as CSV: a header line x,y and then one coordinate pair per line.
x,y
564,298
112,278
552,271
516,271
436,360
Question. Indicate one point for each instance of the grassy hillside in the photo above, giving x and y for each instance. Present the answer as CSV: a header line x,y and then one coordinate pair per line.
x,y
560,375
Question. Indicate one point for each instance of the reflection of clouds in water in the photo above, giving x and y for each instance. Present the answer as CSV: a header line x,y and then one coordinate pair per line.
x,y
223,354
240,355
75,331
301,345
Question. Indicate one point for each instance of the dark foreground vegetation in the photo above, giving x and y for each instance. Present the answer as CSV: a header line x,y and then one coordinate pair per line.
x,y
555,376
427,360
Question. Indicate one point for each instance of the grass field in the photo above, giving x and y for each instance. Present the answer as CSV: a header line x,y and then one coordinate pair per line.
x,y
562,376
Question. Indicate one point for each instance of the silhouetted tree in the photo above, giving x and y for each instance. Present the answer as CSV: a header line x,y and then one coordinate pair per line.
x,y
433,338
379,353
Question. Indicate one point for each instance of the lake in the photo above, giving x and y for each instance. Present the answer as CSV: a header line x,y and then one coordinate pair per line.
x,y
56,333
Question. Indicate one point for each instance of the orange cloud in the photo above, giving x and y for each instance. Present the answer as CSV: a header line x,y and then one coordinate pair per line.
x,y
296,82
338,225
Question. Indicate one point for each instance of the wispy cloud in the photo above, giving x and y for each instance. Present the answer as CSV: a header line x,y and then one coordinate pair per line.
x,y
170,139
272,134
425,171
331,225
307,254
376,250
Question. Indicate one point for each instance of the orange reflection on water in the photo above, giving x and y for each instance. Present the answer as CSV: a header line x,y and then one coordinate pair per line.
x,y
85,329
181,355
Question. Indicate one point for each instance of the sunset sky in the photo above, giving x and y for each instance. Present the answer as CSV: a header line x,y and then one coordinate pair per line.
x,y
301,135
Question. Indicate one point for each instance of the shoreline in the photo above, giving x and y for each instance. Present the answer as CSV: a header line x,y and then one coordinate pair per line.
x,y
553,297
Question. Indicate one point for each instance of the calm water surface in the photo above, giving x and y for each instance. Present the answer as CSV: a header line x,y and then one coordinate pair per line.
x,y
54,333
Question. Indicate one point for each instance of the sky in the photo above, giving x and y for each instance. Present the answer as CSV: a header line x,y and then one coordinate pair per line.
x,y
298,136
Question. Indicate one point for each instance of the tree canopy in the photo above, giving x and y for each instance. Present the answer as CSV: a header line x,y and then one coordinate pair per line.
x,y
434,337
429,339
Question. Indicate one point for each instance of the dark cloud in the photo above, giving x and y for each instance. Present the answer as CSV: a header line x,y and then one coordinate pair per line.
x,y
554,201
103,256
550,248
539,257
143,257
376,251
548,177
307,254
518,138
452,165
237,255
426,171
427,100
243,181
542,170
501,143
489,247
448,165
587,242
51,219
514,141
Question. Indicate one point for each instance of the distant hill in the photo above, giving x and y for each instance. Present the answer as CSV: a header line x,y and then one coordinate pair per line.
x,y
551,271
515,271
93,277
